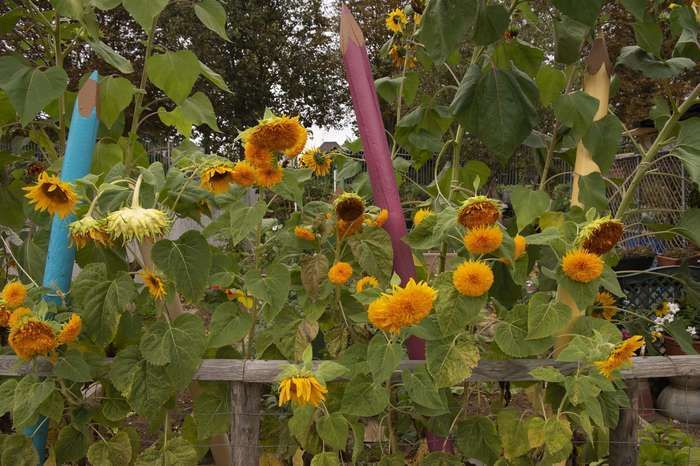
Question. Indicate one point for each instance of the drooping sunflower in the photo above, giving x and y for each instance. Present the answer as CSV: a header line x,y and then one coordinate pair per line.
x,y
304,233
13,294
405,306
154,283
368,281
319,162
218,178
381,218
277,133
620,355
601,235
396,20
473,278
303,389
349,206
269,175
340,273
297,148
605,304
582,266
483,239
243,173
88,229
137,223
479,211
70,330
52,195
32,337
257,156
347,229
420,215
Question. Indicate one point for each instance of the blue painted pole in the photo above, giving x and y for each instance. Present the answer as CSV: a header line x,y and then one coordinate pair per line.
x,y
61,255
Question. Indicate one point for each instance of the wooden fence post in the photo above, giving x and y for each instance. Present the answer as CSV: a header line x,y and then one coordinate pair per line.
x,y
623,438
245,423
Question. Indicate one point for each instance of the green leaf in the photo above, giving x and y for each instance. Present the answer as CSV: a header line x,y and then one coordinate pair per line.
x,y
636,7
585,12
511,335
106,4
228,325
72,366
18,450
476,437
583,294
513,433
72,444
603,140
213,16
551,82
444,26
121,372
115,96
451,360
523,55
576,110
333,430
7,394
177,451
292,185
173,72
314,270
688,147
528,205
492,21
569,35
649,36
363,397
325,459
421,390
421,236
30,393
212,409
438,458
114,452
272,288
111,56
547,374
213,77
383,357
148,390
593,192
186,261
106,156
236,223
100,298
455,311
689,225
636,58
373,251
195,110
144,12
557,436
546,316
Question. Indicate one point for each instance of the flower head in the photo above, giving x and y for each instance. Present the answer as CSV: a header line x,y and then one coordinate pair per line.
x,y
32,337
520,246
483,239
340,273
154,283
472,278
303,389
420,215
479,211
606,305
218,178
582,266
400,54
240,296
405,306
396,20
349,207
304,233
70,330
620,355
368,281
381,218
14,293
52,195
88,229
277,133
319,162
137,223
243,173
19,316
269,175
257,156
601,235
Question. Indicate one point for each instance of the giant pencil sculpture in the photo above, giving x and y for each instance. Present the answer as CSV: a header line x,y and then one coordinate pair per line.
x,y
378,158
61,255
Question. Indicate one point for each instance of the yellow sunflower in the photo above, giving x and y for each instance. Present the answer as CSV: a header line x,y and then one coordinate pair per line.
x,y
304,233
420,215
14,293
483,239
381,218
472,278
479,211
154,283
582,266
606,306
601,235
88,229
257,156
243,173
303,389
368,281
269,175
396,20
52,195
137,223
31,338
405,306
620,355
218,178
340,273
70,330
349,207
320,163
278,133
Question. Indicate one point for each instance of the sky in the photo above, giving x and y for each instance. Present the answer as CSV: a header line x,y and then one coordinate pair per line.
x,y
320,135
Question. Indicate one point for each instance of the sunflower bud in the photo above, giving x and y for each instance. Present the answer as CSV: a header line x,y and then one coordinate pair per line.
x,y
137,223
479,211
349,207
88,229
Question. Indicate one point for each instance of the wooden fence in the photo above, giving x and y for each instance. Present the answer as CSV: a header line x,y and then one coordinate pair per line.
x,y
248,377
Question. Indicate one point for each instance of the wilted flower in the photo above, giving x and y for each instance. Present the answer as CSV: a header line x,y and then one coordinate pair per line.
x,y
137,223
303,389
269,175
479,211
88,229
349,207
601,235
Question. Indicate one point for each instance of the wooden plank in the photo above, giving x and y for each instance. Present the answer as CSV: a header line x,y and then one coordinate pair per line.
x,y
624,448
512,370
245,423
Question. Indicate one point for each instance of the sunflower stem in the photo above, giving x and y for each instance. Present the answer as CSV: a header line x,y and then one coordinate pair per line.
x,y
137,190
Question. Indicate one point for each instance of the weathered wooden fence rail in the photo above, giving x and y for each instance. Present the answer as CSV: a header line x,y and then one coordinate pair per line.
x,y
247,378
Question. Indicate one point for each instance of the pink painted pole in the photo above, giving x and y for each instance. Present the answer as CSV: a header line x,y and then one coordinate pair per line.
x,y
379,168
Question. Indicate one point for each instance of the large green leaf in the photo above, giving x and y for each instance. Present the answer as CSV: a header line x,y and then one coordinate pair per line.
x,y
195,110
420,388
18,450
603,140
292,185
113,452
551,82
576,110
636,58
186,261
173,72
583,294
476,437
111,56
373,251
688,147
593,192
213,16
585,12
649,36
383,357
177,451
72,366
272,288
491,22
451,360
325,459
513,433
115,95
100,298
444,26
546,316
333,430
30,393
149,389
569,35
523,55
689,225
528,205
212,409
236,223
455,311
144,12
228,325
511,335
363,397
105,156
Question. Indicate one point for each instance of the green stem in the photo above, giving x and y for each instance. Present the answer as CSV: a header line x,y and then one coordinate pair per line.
x,y
137,191
393,442
456,152
255,310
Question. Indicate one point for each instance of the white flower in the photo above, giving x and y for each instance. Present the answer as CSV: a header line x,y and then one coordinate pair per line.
x,y
673,307
692,331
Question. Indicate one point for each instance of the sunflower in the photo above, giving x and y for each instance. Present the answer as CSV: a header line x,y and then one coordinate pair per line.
x,y
405,306
473,278
349,207
601,235
52,195
278,133
605,305
218,178
368,281
19,316
257,156
5,314
297,148
303,389
32,337
14,293
304,233
346,229
483,239
319,162
479,211
420,215
154,283
243,173
70,330
88,229
520,246
240,296
269,175
137,223
396,20
340,273
381,218
620,355
398,56
582,266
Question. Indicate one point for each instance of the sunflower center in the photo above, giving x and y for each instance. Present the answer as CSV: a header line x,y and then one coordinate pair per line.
x,y
55,193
